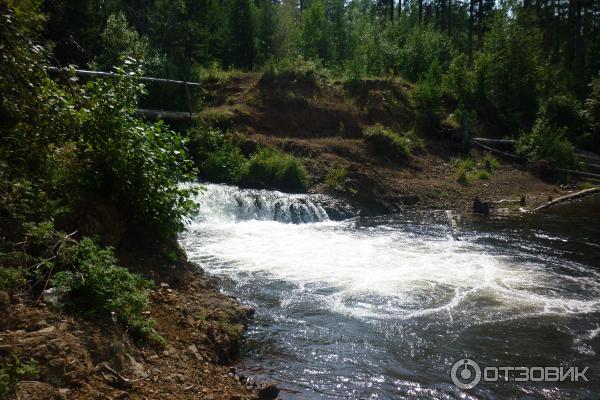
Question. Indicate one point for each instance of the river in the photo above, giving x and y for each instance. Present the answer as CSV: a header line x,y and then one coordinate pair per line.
x,y
381,308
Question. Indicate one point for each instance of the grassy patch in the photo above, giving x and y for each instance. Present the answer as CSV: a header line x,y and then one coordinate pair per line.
x,y
387,143
468,169
336,177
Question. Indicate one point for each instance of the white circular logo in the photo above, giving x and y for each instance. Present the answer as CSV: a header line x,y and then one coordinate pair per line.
x,y
465,374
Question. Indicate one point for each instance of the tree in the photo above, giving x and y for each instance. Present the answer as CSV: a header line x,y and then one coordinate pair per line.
x,y
266,44
120,41
314,28
242,23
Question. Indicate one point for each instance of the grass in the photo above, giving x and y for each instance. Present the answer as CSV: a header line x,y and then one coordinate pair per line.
x,y
336,177
468,169
387,143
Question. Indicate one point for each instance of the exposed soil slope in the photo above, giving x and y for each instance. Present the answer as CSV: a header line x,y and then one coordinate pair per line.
x,y
79,359
321,123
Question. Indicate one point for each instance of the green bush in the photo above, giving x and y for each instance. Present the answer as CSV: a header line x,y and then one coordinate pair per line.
x,y
548,144
217,155
96,287
336,177
387,143
220,159
272,169
14,371
292,71
11,278
564,111
591,113
140,165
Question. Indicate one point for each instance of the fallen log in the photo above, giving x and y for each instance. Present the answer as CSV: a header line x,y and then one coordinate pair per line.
x,y
569,197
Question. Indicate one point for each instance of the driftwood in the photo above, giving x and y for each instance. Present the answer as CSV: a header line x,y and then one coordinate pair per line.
x,y
569,197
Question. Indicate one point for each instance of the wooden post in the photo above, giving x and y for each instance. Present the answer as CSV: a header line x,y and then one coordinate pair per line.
x,y
189,99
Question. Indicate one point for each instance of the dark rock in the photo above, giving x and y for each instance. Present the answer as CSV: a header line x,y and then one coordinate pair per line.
x,y
268,391
523,201
480,207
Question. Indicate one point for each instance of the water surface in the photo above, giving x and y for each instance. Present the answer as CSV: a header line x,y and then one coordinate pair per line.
x,y
381,308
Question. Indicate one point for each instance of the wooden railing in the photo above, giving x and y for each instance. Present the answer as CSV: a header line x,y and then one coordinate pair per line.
x,y
155,114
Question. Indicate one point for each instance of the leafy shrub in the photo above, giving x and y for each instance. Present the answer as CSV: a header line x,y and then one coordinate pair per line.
x,y
272,169
387,143
220,159
490,163
547,143
296,71
14,371
216,154
97,287
462,177
336,177
11,278
564,111
591,113
139,164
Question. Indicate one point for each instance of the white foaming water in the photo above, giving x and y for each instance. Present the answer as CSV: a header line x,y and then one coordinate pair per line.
x,y
381,271
223,204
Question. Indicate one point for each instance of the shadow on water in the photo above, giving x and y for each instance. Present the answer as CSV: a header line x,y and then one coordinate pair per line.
x,y
382,308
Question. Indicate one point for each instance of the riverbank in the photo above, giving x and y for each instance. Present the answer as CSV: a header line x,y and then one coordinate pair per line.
x,y
321,122
78,359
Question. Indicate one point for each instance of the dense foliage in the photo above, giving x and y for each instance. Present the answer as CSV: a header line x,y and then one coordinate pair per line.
x,y
12,372
225,157
501,61
74,157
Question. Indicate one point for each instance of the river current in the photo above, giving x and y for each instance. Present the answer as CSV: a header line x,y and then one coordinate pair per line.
x,y
381,308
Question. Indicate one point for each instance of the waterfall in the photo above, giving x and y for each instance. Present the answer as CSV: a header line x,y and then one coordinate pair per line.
x,y
226,204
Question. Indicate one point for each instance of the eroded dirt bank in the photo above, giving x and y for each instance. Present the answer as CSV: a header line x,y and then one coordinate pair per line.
x,y
321,122
78,359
